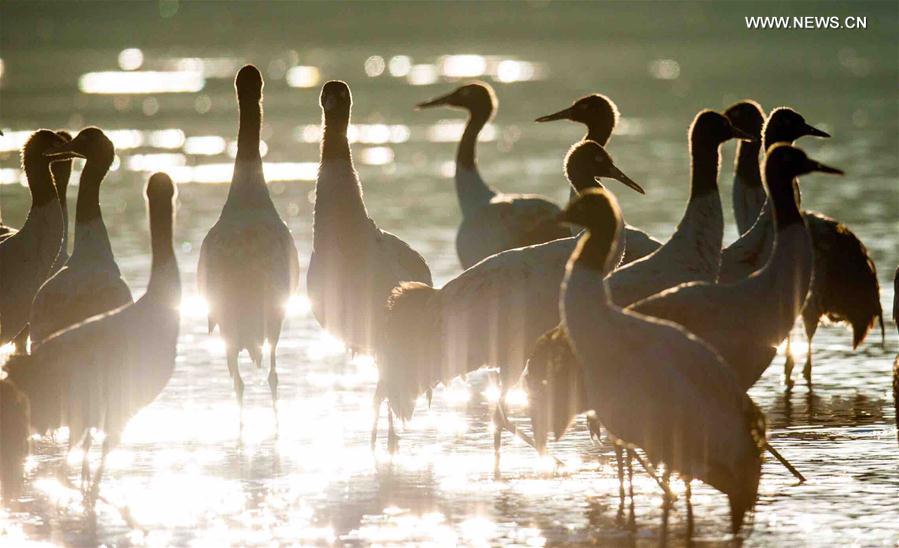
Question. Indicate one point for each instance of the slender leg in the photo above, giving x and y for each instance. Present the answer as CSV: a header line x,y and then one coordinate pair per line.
x,y
376,403
654,475
98,477
85,460
788,365
780,458
393,441
619,460
499,424
688,492
273,383
807,369
238,382
595,428
666,508
632,519
502,422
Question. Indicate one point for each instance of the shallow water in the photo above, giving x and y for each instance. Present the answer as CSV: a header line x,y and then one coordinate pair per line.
x,y
181,472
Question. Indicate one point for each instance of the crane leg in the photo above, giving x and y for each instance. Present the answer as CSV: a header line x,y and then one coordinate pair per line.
x,y
789,363
238,382
632,519
502,422
85,460
376,403
101,469
393,441
688,494
619,460
780,458
273,383
807,369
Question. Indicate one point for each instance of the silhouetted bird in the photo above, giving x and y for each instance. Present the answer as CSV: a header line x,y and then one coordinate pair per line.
x,y
600,115
749,194
691,254
354,264
491,220
27,256
101,372
844,286
651,383
490,314
5,230
62,171
90,282
248,262
745,321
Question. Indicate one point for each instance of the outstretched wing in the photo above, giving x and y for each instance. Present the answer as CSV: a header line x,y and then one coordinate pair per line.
x,y
494,312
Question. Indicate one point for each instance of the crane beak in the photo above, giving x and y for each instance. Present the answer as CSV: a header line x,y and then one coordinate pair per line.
x,y
63,151
823,168
743,136
815,132
564,114
436,102
617,174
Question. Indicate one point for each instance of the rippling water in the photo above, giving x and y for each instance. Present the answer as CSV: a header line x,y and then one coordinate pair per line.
x,y
181,476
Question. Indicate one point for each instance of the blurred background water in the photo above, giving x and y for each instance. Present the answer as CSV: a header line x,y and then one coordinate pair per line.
x,y
158,77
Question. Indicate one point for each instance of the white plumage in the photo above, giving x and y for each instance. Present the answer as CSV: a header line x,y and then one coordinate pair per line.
x,y
650,382
90,282
491,221
248,264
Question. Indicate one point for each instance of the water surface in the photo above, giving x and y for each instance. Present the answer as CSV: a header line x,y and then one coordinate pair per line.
x,y
181,472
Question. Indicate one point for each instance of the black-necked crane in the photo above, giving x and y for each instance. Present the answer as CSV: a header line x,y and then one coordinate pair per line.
x,y
651,383
90,282
248,265
27,257
355,265
844,288
600,115
489,315
492,221
101,372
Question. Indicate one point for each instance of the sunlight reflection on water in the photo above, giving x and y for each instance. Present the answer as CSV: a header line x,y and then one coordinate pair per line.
x,y
185,477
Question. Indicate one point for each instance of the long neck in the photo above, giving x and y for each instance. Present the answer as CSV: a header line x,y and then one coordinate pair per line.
x,y
471,189
248,189
592,252
335,144
599,133
581,181
164,278
40,182
87,207
248,131
61,172
704,169
747,166
786,210
91,238
338,193
466,154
